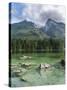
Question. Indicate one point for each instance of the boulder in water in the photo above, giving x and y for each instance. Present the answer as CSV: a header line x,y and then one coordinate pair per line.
x,y
44,66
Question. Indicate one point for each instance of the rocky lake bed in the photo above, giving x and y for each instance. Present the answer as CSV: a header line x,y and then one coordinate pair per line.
x,y
29,73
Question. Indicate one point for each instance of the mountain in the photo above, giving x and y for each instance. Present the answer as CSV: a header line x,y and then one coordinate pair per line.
x,y
27,30
54,29
23,24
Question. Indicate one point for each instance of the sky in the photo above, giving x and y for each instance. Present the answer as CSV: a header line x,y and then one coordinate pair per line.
x,y
36,13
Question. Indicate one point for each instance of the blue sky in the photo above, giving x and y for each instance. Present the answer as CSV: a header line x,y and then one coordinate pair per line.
x,y
36,13
16,11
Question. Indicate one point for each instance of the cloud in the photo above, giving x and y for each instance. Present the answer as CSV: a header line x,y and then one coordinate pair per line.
x,y
39,13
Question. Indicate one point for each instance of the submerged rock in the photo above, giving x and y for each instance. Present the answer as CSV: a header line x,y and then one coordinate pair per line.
x,y
14,74
25,57
23,80
25,65
60,64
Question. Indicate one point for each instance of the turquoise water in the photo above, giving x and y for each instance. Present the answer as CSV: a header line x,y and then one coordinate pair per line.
x,y
35,77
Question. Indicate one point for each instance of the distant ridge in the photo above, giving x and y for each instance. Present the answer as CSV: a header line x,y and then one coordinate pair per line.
x,y
27,30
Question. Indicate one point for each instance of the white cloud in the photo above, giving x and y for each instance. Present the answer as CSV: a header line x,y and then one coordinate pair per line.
x,y
40,13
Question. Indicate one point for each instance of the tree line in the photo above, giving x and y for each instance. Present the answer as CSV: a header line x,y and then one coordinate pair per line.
x,y
45,45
